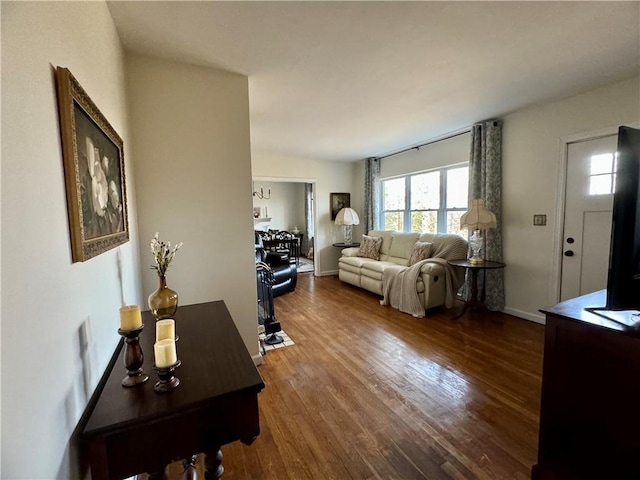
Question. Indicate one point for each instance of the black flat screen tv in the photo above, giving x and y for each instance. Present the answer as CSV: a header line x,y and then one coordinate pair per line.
x,y
623,282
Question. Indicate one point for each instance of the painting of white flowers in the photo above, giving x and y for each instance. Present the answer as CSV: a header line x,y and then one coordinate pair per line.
x,y
94,173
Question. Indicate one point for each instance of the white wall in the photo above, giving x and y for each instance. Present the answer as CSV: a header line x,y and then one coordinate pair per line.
x,y
531,167
285,206
193,182
47,299
328,177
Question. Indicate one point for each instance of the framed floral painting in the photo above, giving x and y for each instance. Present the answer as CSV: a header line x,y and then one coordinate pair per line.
x,y
94,173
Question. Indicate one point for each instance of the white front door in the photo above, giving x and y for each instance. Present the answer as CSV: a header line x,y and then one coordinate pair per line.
x,y
587,224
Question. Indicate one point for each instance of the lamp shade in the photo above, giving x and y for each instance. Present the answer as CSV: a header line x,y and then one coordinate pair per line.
x,y
478,217
347,216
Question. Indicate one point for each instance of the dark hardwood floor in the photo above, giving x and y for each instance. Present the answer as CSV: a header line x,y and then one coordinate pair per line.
x,y
368,392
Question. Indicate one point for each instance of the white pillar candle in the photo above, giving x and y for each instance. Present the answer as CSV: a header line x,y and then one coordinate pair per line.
x,y
165,329
130,317
165,353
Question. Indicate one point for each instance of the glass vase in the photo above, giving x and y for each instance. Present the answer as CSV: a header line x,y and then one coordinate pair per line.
x,y
163,303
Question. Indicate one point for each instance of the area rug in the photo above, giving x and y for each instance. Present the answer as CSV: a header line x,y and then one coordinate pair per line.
x,y
305,265
287,342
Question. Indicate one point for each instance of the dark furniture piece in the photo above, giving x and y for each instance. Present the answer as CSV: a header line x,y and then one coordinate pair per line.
x,y
128,431
266,312
475,302
346,245
300,237
284,243
590,408
285,272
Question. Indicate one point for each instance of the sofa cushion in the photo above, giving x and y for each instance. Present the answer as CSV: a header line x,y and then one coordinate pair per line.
x,y
370,247
421,251
402,245
386,236
356,262
374,270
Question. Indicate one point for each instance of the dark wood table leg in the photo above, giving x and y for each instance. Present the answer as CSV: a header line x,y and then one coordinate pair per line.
x,y
189,465
213,468
473,302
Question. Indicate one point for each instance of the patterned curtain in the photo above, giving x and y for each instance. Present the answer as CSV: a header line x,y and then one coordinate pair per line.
x,y
371,193
485,182
307,241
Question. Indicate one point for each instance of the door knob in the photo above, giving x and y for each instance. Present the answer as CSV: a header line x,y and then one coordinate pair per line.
x,y
570,240
568,253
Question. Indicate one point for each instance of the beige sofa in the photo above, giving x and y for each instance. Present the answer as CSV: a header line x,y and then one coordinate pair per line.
x,y
395,251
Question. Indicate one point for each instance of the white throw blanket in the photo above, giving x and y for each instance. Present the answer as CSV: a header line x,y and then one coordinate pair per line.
x,y
399,283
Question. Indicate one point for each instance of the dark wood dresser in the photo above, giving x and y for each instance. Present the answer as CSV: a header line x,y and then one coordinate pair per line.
x,y
590,408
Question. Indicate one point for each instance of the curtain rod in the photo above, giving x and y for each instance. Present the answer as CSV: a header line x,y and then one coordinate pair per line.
x,y
417,147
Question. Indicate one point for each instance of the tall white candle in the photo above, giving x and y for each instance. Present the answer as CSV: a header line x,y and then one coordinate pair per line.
x,y
165,329
165,353
130,317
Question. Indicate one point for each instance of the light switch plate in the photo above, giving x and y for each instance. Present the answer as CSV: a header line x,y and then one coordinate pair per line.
x,y
539,219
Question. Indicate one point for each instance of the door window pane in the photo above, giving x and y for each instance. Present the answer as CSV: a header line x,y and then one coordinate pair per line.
x,y
601,170
457,187
601,184
425,191
601,163
394,194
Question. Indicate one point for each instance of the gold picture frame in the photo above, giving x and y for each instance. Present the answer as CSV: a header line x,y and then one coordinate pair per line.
x,y
93,157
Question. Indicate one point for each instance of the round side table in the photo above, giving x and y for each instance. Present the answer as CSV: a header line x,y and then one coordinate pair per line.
x,y
474,302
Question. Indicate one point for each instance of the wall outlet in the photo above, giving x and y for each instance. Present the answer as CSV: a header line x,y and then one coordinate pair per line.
x,y
539,220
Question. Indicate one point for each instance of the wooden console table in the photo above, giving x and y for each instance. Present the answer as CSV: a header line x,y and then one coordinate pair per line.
x,y
589,417
134,430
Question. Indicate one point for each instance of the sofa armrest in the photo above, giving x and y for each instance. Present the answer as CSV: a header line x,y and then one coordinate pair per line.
x,y
433,277
432,269
350,252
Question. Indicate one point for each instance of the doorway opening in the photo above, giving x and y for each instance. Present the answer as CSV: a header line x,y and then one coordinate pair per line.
x,y
288,206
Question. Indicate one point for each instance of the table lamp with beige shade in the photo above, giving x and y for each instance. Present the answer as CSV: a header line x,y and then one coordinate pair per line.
x,y
477,218
347,217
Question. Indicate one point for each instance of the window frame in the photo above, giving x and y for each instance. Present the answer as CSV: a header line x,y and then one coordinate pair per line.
x,y
441,212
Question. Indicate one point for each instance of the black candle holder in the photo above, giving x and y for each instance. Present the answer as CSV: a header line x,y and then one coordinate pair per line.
x,y
168,381
133,357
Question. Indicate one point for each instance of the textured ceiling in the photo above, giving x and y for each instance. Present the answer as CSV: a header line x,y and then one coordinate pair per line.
x,y
348,80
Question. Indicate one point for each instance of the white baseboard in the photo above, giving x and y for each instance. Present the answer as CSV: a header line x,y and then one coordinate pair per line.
x,y
257,359
532,317
328,273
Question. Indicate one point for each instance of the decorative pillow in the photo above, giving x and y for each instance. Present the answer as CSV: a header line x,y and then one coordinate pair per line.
x,y
421,251
370,247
